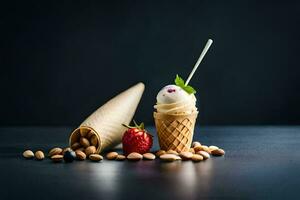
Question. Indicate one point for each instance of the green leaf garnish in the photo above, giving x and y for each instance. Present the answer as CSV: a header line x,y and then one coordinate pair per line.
x,y
190,89
180,83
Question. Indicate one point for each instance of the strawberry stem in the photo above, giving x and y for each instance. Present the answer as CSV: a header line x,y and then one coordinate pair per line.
x,y
135,123
140,127
127,126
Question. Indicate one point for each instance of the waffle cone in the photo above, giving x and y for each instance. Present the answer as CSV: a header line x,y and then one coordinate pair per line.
x,y
106,122
175,132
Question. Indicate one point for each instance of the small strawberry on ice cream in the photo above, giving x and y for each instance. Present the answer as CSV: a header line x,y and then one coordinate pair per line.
x,y
136,139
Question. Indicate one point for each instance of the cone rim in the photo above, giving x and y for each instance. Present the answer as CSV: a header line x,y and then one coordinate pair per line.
x,y
76,130
158,115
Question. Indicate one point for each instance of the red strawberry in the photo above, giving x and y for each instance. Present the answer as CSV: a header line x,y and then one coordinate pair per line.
x,y
136,139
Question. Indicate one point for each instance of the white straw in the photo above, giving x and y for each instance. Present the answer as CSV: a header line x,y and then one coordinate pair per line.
x,y
209,42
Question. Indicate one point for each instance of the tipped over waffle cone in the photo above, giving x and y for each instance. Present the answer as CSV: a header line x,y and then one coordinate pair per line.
x,y
175,132
106,122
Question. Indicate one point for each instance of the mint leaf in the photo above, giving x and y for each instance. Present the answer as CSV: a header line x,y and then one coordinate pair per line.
x,y
180,83
189,89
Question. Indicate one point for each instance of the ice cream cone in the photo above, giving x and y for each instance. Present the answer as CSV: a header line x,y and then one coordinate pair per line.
x,y
175,132
106,122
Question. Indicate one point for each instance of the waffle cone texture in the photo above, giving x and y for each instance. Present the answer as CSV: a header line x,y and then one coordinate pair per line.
x,y
175,132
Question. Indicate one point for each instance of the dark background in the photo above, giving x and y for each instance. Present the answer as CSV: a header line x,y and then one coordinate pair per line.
x,y
61,60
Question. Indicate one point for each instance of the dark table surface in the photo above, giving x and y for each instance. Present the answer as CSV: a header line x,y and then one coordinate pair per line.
x,y
261,162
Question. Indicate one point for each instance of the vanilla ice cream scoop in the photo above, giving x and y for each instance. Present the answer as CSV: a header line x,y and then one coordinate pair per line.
x,y
171,94
172,99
